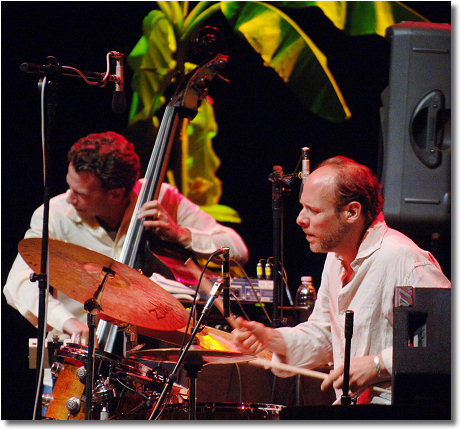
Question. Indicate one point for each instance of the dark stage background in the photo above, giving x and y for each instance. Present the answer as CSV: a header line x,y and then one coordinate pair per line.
x,y
260,123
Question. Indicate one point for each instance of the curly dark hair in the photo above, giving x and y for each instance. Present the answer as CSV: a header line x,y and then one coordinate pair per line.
x,y
110,157
356,182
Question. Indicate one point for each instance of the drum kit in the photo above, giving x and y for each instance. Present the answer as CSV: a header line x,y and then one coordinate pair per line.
x,y
131,387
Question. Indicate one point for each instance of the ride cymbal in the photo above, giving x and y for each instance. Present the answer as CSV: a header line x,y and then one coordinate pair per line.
x,y
127,295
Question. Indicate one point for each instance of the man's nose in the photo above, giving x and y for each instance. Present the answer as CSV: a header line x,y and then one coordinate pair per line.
x,y
302,218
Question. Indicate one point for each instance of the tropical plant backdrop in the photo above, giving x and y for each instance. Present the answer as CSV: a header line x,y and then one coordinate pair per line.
x,y
162,55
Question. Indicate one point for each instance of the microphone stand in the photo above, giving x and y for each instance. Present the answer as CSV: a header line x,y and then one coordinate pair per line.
x,y
280,184
46,84
346,398
192,369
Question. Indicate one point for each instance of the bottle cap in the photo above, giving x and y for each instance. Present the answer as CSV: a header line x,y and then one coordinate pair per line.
x,y
306,279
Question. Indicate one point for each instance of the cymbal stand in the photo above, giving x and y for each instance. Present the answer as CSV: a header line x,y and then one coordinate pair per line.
x,y
92,306
346,398
193,368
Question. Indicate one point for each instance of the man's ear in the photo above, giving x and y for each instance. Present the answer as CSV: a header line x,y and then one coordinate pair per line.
x,y
353,211
117,193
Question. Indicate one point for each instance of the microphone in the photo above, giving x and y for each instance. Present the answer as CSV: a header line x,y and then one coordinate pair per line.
x,y
118,98
226,280
305,168
305,163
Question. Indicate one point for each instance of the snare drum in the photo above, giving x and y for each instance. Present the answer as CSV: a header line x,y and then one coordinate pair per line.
x,y
135,384
67,399
223,411
138,387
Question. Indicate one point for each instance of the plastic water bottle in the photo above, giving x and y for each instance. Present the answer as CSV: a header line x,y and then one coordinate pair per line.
x,y
306,293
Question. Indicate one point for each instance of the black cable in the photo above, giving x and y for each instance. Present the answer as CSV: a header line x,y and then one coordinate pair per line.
x,y
240,305
193,308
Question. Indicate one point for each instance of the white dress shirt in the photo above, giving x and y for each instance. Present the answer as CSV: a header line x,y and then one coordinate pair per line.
x,y
65,225
386,259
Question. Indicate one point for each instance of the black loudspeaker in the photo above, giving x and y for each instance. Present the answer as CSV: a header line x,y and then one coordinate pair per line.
x,y
422,347
415,120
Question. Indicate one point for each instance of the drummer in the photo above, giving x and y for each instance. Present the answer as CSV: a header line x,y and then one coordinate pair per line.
x,y
103,180
342,216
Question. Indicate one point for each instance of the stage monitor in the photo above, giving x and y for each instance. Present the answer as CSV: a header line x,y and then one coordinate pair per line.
x,y
415,120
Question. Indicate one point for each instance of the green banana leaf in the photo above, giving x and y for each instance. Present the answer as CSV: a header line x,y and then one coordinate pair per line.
x,y
153,65
363,17
159,56
152,60
286,48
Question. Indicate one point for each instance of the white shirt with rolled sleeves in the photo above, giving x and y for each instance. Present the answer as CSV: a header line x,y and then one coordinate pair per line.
x,y
386,259
65,225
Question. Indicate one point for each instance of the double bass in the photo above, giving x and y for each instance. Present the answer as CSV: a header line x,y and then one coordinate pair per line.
x,y
183,105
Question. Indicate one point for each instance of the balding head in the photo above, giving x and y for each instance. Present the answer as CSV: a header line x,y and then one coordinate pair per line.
x,y
354,182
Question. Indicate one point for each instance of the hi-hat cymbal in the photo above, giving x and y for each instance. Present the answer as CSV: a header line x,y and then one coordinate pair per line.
x,y
208,338
196,355
127,296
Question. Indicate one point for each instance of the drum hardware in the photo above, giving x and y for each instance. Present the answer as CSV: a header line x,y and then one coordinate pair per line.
x,y
128,389
130,407
75,270
194,357
93,306
104,392
68,397
192,370
81,374
141,379
73,405
119,384
46,399
56,368
193,367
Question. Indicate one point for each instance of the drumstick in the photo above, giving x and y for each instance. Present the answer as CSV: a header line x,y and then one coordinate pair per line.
x,y
302,371
284,367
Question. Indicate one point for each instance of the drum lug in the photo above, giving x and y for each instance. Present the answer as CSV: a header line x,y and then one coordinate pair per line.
x,y
81,374
56,368
73,405
46,399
